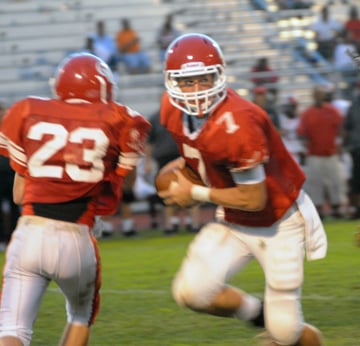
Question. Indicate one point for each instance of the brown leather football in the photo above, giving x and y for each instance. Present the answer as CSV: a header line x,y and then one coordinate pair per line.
x,y
164,178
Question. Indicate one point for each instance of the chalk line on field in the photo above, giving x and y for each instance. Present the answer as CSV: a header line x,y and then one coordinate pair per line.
x,y
136,291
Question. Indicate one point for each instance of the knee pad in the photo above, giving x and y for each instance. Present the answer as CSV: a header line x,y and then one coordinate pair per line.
x,y
192,290
284,320
284,267
203,271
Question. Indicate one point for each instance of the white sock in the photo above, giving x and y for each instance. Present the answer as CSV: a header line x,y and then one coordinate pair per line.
x,y
107,226
127,225
188,220
174,220
249,309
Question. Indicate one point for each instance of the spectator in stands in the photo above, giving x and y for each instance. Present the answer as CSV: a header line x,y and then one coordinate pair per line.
x,y
262,74
163,149
293,4
352,142
289,122
332,2
326,31
352,24
345,162
103,45
9,211
260,98
166,35
332,95
322,161
341,59
129,48
89,46
343,63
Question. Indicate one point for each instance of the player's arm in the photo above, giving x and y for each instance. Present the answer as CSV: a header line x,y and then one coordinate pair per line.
x,y
18,189
249,194
129,180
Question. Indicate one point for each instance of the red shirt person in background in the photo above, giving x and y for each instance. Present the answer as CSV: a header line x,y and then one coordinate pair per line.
x,y
320,127
352,25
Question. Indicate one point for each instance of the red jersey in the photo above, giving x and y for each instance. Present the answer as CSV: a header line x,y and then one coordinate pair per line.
x,y
238,135
320,126
72,152
353,27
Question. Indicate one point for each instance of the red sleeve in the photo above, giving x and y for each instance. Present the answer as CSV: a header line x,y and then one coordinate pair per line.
x,y
11,136
132,140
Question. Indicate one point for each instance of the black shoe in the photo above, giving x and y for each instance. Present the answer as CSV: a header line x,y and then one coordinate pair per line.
x,y
154,224
129,234
259,320
107,234
171,231
355,216
337,215
192,229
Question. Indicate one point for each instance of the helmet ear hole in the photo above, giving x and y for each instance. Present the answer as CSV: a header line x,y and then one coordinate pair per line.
x,y
83,77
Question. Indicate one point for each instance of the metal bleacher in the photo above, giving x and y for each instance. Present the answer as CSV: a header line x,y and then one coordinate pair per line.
x,y
35,35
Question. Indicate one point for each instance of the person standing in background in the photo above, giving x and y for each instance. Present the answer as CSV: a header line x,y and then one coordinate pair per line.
x,y
261,99
9,211
324,176
104,46
130,51
352,144
166,35
289,122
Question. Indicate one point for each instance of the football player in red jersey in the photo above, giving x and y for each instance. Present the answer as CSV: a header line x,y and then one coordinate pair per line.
x,y
71,155
263,212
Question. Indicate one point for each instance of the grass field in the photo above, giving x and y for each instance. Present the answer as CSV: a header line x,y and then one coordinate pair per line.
x,y
137,307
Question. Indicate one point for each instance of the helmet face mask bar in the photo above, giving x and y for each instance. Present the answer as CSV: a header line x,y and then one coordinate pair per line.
x,y
194,55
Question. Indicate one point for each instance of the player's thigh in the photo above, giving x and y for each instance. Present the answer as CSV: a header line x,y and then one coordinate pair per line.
x,y
79,275
214,255
315,181
23,286
282,254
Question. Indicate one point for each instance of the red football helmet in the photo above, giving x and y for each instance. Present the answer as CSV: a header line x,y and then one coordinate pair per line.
x,y
83,76
193,55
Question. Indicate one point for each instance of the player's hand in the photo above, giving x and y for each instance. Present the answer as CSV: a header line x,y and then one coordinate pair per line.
x,y
179,192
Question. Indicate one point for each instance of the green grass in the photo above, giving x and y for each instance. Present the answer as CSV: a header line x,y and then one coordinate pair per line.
x,y
137,307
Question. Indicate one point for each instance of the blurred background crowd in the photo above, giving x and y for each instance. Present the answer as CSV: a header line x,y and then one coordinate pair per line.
x,y
289,57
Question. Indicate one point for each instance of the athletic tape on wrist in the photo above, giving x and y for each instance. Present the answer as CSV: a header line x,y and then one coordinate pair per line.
x,y
200,193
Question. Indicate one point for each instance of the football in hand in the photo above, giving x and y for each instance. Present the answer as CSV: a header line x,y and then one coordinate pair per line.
x,y
165,178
